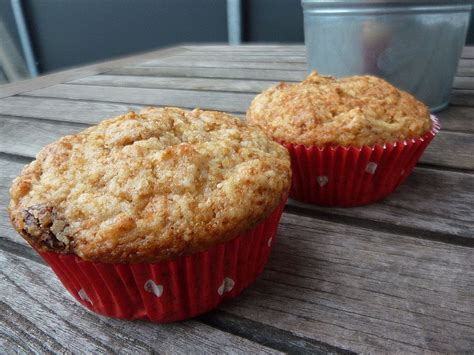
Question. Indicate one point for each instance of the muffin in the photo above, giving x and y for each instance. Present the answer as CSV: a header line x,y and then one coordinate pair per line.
x,y
352,140
160,214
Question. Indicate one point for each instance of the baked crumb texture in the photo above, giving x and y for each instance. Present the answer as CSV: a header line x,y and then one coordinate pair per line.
x,y
351,111
149,187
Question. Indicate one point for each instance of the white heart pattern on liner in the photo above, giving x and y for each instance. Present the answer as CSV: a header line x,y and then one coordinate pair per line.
x,y
83,295
226,286
322,180
371,167
152,287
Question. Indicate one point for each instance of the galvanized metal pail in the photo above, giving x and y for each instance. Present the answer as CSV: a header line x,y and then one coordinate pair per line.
x,y
416,45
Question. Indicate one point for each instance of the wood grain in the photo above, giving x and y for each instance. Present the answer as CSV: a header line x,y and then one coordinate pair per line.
x,y
463,83
269,335
468,52
457,118
245,57
364,290
461,97
232,102
40,316
466,62
201,84
465,72
451,149
9,168
63,110
217,63
265,48
187,72
27,137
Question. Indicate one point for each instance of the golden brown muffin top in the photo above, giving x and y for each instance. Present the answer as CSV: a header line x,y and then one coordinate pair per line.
x,y
150,186
352,111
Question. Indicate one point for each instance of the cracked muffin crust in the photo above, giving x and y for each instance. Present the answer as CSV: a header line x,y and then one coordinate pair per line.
x,y
149,187
351,111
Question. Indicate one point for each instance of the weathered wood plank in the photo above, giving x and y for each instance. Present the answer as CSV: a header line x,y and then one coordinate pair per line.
x,y
466,62
192,72
298,57
364,290
9,170
268,48
451,149
461,97
35,304
464,71
26,137
432,200
216,63
233,102
457,118
468,52
463,83
66,75
203,84
268,335
62,110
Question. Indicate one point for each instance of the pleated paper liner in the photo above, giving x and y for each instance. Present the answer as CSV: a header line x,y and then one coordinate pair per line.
x,y
350,176
171,290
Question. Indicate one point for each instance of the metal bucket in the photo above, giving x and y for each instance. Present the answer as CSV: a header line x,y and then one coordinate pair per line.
x,y
415,45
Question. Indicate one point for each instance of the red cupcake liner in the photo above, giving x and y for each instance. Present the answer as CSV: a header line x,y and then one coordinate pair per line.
x,y
171,290
350,176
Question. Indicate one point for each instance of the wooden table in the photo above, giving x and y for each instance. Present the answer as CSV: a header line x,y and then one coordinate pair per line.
x,y
394,276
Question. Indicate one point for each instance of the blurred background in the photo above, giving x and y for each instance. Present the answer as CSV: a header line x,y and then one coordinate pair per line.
x,y
41,36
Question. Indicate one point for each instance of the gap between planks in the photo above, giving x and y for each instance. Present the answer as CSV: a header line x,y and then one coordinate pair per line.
x,y
179,83
250,74
202,62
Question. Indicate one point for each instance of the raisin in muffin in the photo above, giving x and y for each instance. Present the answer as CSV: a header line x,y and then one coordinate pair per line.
x,y
150,186
352,140
352,111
